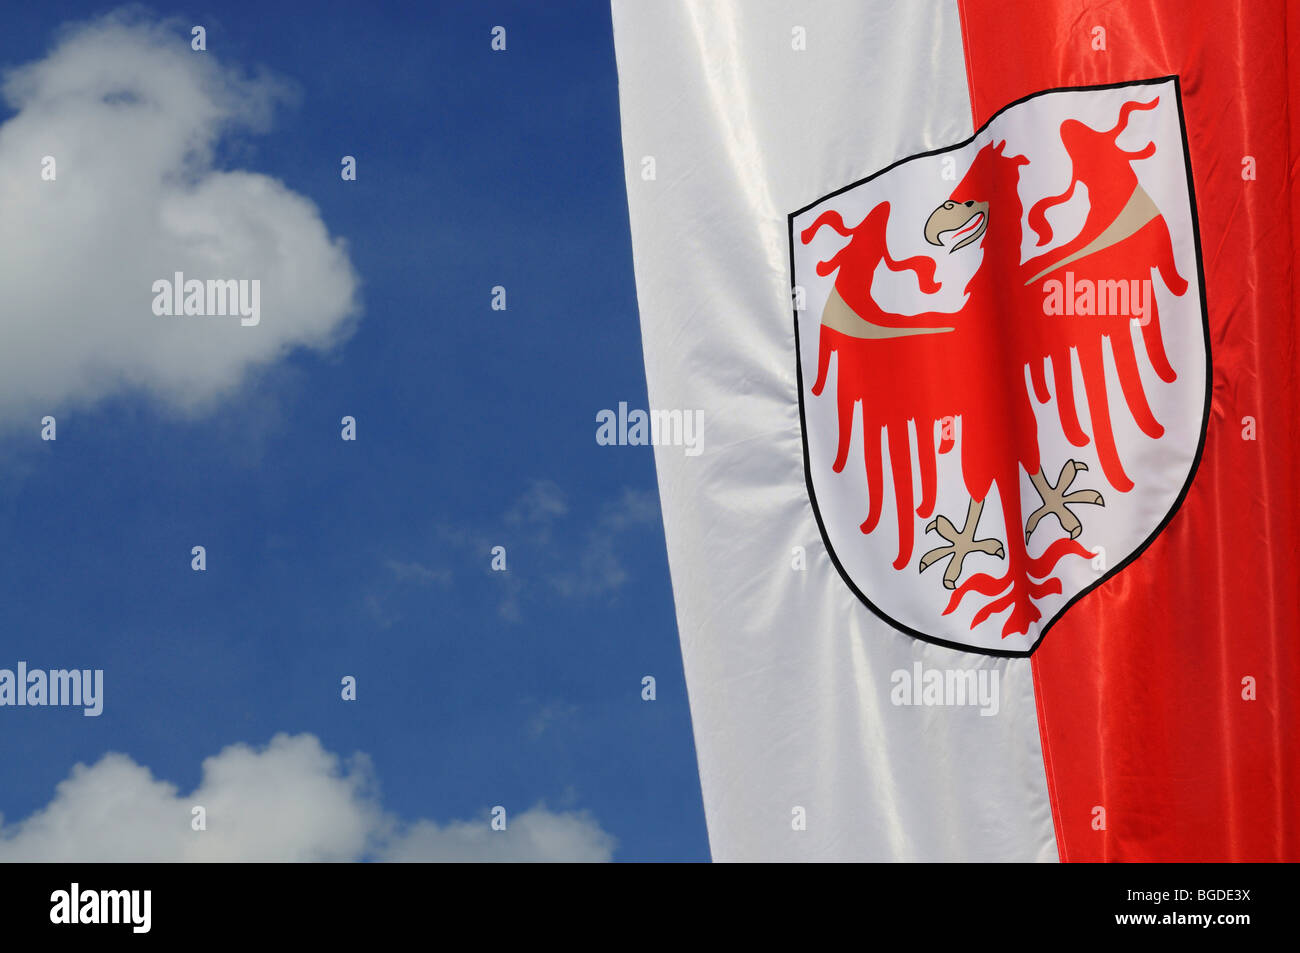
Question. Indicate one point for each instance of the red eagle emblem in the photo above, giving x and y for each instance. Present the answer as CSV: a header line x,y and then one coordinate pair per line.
x,y
997,400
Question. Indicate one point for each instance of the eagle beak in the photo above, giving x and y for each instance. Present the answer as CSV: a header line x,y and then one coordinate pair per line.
x,y
965,220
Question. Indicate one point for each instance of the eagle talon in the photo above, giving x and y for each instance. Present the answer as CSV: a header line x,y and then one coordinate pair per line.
x,y
962,544
1057,501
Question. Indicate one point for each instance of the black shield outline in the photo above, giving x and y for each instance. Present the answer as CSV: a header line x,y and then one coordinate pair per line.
x,y
1205,411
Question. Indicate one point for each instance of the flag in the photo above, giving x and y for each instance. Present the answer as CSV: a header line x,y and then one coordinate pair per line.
x,y
988,309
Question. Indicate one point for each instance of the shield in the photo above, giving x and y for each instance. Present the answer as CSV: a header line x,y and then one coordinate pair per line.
x,y
1003,363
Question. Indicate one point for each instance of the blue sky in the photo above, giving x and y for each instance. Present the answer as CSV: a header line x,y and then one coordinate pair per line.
x,y
475,428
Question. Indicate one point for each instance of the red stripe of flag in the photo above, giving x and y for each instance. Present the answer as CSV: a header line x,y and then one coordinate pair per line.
x,y
1140,686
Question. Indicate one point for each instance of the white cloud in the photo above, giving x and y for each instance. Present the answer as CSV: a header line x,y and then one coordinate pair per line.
x,y
289,801
597,569
534,835
417,572
541,503
132,118
580,561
